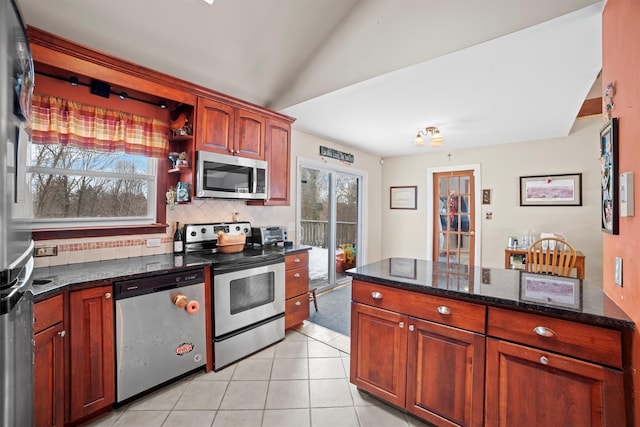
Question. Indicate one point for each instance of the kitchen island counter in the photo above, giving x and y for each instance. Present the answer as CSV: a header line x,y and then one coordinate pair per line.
x,y
493,287
457,345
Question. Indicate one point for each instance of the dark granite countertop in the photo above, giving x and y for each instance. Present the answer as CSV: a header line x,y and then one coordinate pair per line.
x,y
581,301
50,280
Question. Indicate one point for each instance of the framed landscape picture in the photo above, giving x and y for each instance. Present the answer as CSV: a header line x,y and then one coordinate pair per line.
x,y
551,190
609,176
403,197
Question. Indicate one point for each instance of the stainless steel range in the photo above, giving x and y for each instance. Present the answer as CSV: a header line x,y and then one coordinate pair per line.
x,y
248,295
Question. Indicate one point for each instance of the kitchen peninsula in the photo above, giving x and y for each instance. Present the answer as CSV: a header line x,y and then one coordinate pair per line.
x,y
458,345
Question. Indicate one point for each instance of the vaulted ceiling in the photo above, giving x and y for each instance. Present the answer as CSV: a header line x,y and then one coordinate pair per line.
x,y
365,73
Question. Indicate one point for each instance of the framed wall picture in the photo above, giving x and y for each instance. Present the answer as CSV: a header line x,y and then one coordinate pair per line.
x,y
609,176
551,190
486,196
403,197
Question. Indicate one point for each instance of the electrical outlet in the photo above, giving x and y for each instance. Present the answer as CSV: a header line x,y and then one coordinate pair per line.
x,y
618,272
153,243
46,251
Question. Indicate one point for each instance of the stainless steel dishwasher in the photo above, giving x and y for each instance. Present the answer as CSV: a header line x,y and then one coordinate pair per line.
x,y
160,330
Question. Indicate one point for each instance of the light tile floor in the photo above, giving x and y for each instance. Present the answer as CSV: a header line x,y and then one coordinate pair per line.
x,y
300,381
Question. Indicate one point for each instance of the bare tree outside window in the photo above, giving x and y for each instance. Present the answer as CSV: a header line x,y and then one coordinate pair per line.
x,y
69,182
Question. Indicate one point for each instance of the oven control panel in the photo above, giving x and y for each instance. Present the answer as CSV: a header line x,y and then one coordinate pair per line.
x,y
203,233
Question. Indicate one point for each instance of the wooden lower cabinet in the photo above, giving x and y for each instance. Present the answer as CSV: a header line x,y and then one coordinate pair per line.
x,y
296,289
531,387
434,371
91,351
459,363
48,366
379,352
445,374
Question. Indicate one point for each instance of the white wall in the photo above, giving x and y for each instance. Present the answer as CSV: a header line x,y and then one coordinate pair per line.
x,y
405,231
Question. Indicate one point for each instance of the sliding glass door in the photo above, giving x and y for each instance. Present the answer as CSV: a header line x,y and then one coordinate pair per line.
x,y
329,219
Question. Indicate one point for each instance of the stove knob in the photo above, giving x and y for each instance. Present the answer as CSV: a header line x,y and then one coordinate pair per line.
x,y
203,230
193,234
246,230
238,228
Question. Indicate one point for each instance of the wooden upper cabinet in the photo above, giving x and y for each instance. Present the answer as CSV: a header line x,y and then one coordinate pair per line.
x,y
249,136
225,129
215,126
277,152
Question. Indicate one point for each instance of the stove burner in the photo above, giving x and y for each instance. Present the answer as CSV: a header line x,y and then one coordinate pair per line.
x,y
201,240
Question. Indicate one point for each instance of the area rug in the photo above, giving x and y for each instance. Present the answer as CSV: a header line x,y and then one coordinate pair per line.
x,y
334,310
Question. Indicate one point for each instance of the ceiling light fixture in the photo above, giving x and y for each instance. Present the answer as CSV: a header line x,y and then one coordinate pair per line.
x,y
74,81
123,95
436,136
209,1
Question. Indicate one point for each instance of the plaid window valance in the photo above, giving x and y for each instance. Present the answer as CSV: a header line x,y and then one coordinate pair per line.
x,y
61,121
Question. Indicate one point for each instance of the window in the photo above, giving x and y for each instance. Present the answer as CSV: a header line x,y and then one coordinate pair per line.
x,y
92,166
73,186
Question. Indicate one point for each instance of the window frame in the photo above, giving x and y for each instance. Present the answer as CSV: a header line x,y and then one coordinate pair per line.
x,y
157,227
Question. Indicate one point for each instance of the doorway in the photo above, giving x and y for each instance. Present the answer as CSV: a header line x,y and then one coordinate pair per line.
x,y
329,220
453,215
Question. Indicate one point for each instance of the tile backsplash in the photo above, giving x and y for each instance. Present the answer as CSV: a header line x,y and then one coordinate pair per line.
x,y
71,251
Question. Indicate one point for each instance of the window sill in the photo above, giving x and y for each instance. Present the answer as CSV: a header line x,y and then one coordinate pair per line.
x,y
74,233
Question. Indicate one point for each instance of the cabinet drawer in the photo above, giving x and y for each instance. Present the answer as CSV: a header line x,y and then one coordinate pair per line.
x,y
300,259
47,313
461,314
562,336
296,310
297,282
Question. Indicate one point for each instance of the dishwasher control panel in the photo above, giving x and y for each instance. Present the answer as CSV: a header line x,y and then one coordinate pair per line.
x,y
150,284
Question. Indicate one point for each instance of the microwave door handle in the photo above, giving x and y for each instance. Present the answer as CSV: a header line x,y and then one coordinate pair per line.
x,y
254,181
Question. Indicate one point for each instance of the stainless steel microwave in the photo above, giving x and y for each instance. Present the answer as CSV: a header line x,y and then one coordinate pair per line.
x,y
230,177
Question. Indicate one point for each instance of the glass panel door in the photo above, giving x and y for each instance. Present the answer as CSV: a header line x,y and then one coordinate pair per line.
x,y
329,222
314,223
454,198
346,224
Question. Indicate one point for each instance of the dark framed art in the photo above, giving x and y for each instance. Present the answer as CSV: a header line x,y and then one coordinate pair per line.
x,y
609,176
486,196
403,197
551,190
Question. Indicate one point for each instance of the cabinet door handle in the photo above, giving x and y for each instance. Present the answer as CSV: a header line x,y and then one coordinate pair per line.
x,y
298,303
544,332
544,360
401,324
443,309
411,328
296,260
62,333
107,295
296,275
376,295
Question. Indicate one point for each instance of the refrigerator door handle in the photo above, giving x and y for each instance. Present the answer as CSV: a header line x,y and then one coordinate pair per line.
x,y
22,259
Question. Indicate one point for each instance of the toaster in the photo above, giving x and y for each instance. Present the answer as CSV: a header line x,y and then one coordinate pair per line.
x,y
268,235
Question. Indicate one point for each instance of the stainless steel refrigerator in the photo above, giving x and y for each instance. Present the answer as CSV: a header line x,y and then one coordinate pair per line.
x,y
16,244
